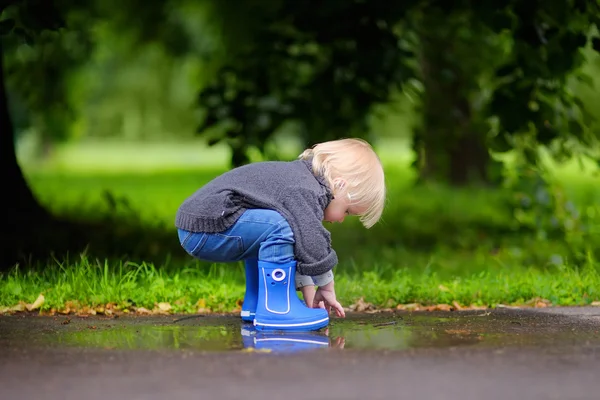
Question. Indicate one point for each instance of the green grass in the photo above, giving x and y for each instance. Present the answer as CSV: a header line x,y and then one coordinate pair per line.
x,y
435,244
217,289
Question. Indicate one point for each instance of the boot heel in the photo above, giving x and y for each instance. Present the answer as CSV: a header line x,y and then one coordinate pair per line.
x,y
251,295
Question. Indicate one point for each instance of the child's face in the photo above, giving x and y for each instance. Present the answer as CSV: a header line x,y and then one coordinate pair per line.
x,y
339,208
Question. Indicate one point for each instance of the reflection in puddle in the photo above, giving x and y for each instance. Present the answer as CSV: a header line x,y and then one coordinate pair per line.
x,y
389,332
233,337
211,334
279,342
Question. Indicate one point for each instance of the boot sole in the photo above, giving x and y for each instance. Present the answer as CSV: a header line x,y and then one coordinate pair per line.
x,y
298,326
247,316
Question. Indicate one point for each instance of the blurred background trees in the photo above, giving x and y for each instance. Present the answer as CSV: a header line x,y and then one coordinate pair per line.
x,y
474,80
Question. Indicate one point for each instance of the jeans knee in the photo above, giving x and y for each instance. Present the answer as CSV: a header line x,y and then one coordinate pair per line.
x,y
278,246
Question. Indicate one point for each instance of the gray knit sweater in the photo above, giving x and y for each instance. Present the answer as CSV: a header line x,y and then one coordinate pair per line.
x,y
290,188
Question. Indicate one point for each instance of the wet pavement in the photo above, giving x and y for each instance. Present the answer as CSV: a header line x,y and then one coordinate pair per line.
x,y
499,354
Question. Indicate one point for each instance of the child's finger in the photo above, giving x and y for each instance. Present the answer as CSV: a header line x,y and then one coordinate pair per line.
x,y
339,310
318,303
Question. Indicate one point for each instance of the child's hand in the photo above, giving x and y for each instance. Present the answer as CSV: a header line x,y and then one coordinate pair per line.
x,y
326,294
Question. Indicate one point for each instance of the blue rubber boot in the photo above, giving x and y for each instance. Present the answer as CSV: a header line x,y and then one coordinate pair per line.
x,y
278,307
251,295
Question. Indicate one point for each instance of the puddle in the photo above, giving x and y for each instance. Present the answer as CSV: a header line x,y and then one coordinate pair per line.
x,y
218,334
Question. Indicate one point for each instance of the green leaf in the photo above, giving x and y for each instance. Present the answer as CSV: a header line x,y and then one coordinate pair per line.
x,y
505,70
213,141
571,40
585,79
500,143
23,34
6,26
501,21
575,128
596,44
546,134
580,5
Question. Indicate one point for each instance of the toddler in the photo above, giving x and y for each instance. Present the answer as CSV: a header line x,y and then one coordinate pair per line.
x,y
270,215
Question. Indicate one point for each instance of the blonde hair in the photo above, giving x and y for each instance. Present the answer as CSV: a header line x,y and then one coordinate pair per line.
x,y
355,161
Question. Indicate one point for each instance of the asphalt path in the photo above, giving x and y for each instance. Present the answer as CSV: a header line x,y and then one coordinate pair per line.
x,y
563,364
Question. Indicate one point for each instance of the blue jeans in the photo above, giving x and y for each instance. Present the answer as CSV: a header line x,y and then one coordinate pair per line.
x,y
258,234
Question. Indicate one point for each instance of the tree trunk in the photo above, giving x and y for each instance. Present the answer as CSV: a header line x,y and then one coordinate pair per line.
x,y
23,215
450,145
30,234
452,155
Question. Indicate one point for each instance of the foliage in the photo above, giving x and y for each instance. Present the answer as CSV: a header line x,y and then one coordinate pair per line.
x,y
435,244
295,64
463,229
50,61
324,68
455,85
533,101
109,76
131,100
543,205
38,48
493,77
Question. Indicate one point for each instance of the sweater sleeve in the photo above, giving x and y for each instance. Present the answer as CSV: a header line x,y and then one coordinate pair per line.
x,y
313,250
317,280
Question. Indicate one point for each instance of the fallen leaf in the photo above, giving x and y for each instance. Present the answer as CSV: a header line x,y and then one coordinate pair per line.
x,y
361,305
409,307
476,307
142,310
439,307
538,302
37,303
86,311
21,306
595,304
201,306
70,306
505,306
238,304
